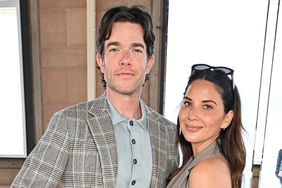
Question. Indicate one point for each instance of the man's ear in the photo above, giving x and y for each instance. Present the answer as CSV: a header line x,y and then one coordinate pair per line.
x,y
227,119
100,62
150,64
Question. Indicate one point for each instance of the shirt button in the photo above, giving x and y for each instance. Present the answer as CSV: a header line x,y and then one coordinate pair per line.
x,y
133,141
131,123
133,182
134,161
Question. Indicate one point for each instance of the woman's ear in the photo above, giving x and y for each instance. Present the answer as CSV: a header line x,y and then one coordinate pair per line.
x,y
227,119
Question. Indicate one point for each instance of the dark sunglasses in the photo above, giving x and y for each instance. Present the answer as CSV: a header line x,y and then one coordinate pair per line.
x,y
225,70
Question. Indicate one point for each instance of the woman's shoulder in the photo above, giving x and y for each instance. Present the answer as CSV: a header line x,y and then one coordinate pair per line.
x,y
214,163
212,172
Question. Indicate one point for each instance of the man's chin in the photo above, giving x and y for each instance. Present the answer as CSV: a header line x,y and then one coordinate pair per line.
x,y
126,91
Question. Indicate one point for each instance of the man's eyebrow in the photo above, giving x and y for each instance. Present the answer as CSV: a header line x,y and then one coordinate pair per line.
x,y
138,45
113,44
135,44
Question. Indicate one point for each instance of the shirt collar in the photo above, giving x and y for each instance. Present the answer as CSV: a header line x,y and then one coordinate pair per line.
x,y
118,118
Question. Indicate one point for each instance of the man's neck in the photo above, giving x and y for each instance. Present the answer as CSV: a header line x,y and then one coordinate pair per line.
x,y
126,105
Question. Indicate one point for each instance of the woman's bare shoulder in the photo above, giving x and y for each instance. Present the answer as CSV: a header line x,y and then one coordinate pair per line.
x,y
213,172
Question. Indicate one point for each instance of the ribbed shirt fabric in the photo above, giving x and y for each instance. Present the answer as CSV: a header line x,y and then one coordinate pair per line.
x,y
133,149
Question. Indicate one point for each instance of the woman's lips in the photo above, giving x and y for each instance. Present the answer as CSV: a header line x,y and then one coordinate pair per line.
x,y
193,128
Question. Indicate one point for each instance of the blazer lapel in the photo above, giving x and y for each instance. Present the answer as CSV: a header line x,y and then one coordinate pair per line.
x,y
157,136
103,133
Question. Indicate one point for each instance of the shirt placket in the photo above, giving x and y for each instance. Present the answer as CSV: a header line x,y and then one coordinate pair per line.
x,y
134,142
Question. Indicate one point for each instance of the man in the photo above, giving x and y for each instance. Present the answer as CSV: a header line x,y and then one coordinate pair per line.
x,y
115,140
278,168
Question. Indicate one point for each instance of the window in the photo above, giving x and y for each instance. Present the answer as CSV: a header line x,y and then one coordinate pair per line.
x,y
14,110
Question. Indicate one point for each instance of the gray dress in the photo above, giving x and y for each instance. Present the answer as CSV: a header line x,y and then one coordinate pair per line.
x,y
181,179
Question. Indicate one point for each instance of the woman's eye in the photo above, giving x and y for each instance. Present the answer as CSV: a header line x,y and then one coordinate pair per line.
x,y
186,103
207,107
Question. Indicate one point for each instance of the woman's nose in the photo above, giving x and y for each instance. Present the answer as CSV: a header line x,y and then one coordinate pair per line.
x,y
191,113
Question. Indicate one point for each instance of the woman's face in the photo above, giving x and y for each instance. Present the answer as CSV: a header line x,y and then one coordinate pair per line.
x,y
202,114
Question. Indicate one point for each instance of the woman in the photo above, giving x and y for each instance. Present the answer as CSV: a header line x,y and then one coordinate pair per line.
x,y
210,131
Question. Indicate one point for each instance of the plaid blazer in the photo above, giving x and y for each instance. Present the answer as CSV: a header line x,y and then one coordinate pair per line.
x,y
78,149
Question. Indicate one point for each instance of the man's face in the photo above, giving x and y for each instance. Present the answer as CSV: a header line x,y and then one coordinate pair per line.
x,y
125,63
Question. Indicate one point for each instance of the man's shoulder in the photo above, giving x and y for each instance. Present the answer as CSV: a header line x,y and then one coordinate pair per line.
x,y
156,116
80,110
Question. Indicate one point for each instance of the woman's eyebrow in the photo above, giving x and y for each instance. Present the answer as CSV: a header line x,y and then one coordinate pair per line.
x,y
209,101
204,101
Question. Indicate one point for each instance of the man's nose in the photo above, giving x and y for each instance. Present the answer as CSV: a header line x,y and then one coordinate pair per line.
x,y
126,58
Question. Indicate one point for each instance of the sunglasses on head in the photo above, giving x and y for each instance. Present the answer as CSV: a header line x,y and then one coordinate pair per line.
x,y
225,70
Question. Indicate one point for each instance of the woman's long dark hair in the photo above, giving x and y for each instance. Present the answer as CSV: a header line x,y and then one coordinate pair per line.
x,y
230,140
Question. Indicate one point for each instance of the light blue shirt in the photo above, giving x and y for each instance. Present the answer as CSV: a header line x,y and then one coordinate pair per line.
x,y
133,149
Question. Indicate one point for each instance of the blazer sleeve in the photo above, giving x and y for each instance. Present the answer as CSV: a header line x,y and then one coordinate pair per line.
x,y
279,161
46,163
175,156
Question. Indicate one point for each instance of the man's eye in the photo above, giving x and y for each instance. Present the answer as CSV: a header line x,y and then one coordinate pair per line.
x,y
138,50
113,50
